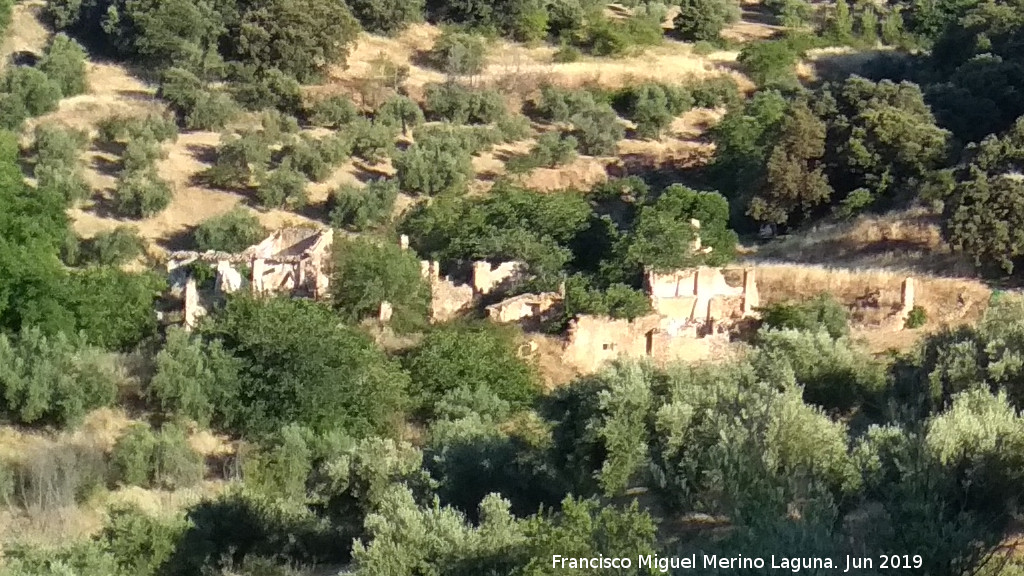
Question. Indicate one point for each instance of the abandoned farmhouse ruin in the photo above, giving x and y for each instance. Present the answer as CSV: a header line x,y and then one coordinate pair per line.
x,y
692,310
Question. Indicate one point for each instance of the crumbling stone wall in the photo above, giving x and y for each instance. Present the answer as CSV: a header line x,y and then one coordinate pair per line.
x,y
701,294
487,279
450,298
533,307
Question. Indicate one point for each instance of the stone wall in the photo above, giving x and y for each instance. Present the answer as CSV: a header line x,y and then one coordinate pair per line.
x,y
702,294
594,340
532,307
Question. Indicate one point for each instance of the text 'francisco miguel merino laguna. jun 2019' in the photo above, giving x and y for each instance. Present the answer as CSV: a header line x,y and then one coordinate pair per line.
x,y
777,562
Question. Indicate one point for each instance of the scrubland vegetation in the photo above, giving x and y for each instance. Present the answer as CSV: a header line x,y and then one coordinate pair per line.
x,y
419,448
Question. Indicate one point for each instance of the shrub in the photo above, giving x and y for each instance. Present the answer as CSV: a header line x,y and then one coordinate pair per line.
x,y
190,375
283,187
141,194
458,53
652,107
514,128
617,301
6,483
597,130
161,460
114,247
372,142
57,477
64,63
141,154
715,92
175,463
438,166
456,103
261,89
769,63
53,379
386,16
552,149
113,308
212,110
399,112
559,105
239,159
131,459
471,356
333,112
566,54
358,209
58,168
472,139
155,127
367,274
197,106
705,19
281,471
917,317
823,312
25,93
232,231
313,159
139,543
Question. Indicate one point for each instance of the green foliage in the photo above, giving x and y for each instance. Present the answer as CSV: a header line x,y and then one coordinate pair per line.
x,y
282,187
25,93
196,105
139,543
823,312
400,112
917,317
141,194
363,208
113,308
559,105
652,107
280,470
366,274
715,92
160,460
372,142
552,149
663,230
333,112
597,130
617,301
471,356
58,168
53,380
704,19
64,63
153,127
190,377
114,247
438,166
240,158
770,63
232,231
460,105
298,365
458,53
387,16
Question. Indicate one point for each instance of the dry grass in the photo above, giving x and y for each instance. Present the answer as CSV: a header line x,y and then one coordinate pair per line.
x,y
909,240
26,32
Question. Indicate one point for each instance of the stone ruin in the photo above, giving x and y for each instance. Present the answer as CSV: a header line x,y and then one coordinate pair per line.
x,y
292,261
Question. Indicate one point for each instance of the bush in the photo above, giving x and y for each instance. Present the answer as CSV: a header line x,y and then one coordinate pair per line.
x,y
715,92
372,142
212,110
58,476
439,166
25,93
617,301
162,460
114,247
154,127
399,112
652,107
53,380
190,375
131,459
770,62
333,112
552,149
367,274
386,16
198,107
64,63
460,105
139,543
283,187
917,317
472,139
458,53
566,54
58,167
262,89
823,312
358,209
232,231
314,160
113,308
141,194
597,130
705,19
239,159
559,105
472,357
141,154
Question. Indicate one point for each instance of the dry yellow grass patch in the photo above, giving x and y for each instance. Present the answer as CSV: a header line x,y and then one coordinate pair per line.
x,y
26,31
